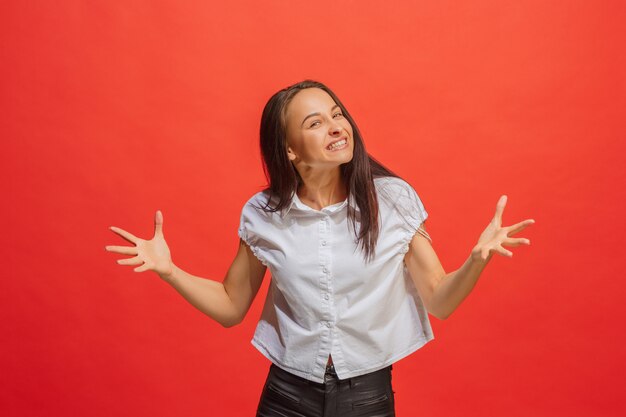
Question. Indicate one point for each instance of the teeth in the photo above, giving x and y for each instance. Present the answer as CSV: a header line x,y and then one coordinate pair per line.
x,y
337,144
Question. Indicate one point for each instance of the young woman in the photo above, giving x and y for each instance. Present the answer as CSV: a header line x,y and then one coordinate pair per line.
x,y
354,274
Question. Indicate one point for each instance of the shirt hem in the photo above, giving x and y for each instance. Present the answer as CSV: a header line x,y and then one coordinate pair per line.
x,y
265,352
341,374
411,349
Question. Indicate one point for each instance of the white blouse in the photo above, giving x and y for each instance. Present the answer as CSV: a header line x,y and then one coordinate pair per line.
x,y
323,298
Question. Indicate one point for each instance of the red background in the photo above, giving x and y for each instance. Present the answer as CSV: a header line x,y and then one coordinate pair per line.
x,y
112,111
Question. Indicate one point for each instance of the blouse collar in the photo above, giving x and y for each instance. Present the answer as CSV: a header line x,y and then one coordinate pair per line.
x,y
297,204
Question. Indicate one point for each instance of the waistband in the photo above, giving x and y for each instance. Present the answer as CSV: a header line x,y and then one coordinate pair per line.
x,y
330,375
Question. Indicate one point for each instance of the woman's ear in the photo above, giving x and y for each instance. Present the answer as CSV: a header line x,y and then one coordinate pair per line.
x,y
290,154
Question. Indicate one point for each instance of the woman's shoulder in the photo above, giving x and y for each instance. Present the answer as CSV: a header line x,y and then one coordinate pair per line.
x,y
259,197
262,205
393,187
258,201
398,195
390,180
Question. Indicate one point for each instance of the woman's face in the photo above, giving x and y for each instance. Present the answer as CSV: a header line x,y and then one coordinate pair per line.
x,y
318,135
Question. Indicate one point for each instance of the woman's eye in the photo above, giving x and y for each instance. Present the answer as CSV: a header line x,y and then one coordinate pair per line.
x,y
317,122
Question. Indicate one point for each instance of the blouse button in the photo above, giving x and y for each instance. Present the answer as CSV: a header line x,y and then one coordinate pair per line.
x,y
326,296
323,243
325,270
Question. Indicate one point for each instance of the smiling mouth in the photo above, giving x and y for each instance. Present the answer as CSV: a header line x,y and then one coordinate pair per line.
x,y
338,144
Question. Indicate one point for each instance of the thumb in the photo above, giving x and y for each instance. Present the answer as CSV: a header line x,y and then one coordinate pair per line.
x,y
158,223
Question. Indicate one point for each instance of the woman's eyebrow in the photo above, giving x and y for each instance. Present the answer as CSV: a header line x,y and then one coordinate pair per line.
x,y
317,114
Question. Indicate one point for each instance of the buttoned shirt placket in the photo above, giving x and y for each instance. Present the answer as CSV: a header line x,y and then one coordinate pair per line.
x,y
325,291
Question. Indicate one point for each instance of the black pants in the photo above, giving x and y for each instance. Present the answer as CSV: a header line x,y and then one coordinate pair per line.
x,y
288,395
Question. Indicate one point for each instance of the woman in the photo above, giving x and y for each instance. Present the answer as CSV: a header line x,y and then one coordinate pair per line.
x,y
354,274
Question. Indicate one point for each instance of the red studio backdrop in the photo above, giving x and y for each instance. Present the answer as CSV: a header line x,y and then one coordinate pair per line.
x,y
112,110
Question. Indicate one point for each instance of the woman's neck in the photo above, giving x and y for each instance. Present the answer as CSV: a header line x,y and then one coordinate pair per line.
x,y
322,190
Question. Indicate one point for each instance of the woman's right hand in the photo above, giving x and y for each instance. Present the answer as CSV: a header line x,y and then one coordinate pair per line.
x,y
154,254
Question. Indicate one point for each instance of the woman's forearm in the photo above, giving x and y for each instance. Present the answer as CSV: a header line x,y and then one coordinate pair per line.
x,y
206,295
456,286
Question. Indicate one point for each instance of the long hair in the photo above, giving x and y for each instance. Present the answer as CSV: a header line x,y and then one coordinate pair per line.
x,y
358,174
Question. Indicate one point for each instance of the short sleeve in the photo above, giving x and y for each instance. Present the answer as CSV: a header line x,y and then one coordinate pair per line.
x,y
410,211
252,225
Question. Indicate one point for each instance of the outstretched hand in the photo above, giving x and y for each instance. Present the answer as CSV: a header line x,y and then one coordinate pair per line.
x,y
152,255
495,236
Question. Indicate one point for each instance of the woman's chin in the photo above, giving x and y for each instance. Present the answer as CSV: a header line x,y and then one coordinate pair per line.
x,y
342,155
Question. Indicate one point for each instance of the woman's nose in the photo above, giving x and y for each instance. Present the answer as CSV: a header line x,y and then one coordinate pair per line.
x,y
335,128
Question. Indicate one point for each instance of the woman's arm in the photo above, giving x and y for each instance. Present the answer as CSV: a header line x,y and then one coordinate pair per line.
x,y
442,293
226,302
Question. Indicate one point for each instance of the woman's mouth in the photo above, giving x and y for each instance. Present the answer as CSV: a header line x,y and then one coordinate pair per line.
x,y
340,144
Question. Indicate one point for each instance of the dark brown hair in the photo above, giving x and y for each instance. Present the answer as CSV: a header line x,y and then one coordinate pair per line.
x,y
358,174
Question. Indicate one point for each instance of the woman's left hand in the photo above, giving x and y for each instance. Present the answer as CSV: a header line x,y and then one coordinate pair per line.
x,y
495,236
